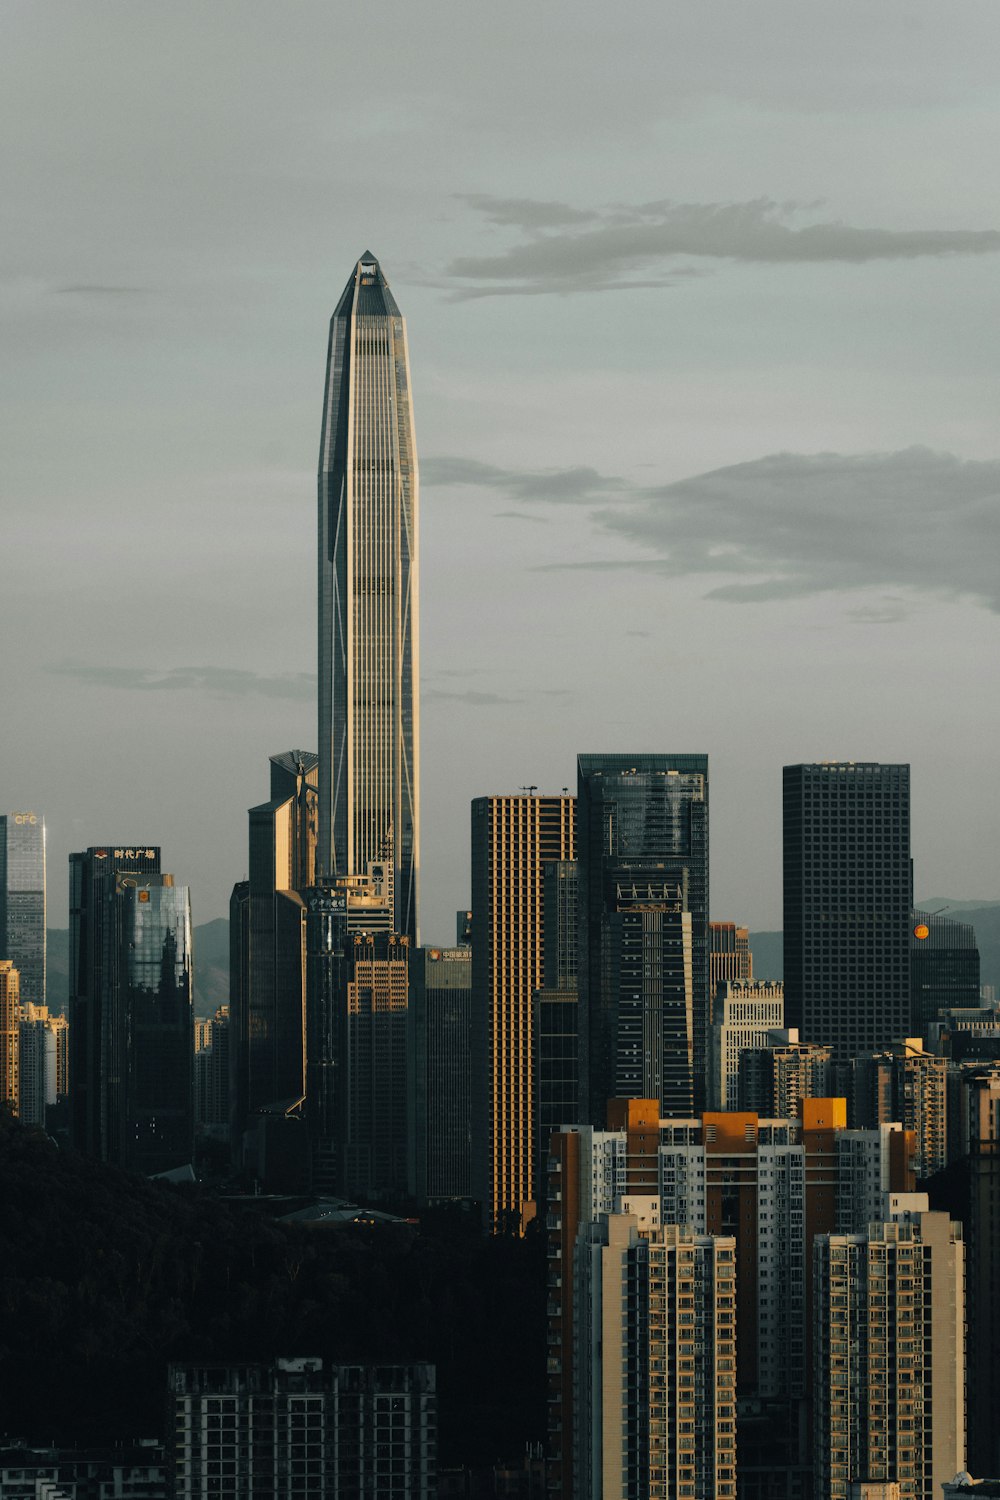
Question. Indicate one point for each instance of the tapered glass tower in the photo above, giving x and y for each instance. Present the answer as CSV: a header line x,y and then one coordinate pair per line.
x,y
369,807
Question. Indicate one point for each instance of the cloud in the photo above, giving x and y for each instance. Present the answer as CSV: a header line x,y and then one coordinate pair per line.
x,y
550,486
101,291
471,696
792,525
630,246
219,681
527,213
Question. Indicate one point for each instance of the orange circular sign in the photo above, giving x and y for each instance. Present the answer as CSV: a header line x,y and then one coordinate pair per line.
x,y
921,931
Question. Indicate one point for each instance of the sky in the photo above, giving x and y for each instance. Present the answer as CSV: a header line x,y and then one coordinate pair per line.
x,y
702,303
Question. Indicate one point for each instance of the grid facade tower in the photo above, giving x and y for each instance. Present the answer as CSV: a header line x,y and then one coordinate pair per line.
x,y
369,806
847,904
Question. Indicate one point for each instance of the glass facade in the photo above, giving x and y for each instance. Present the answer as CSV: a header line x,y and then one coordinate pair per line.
x,y
22,900
644,947
157,1121
368,598
131,1018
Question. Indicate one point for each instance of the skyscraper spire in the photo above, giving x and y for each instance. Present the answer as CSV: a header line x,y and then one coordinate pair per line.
x,y
369,721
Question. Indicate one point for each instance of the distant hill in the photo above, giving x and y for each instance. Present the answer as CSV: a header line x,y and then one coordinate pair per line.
x,y
211,953
768,947
211,966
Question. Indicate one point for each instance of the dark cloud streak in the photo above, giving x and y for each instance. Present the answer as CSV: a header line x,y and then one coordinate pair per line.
x,y
219,681
624,247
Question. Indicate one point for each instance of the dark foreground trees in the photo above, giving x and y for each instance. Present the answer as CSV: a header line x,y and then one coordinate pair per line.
x,y
104,1279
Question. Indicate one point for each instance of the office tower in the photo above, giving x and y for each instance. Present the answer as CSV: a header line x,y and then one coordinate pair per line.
x,y
847,904
22,900
729,955
463,929
374,1140
907,1084
267,950
981,1091
10,1016
744,1013
513,839
439,1077
211,1071
557,1093
889,1354
944,968
644,947
655,1383
43,1067
773,1185
302,1429
773,1079
131,1022
369,718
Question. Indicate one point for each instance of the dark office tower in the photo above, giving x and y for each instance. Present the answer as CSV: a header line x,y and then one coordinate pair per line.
x,y
981,1111
847,904
513,839
463,929
439,1081
131,1022
326,1033
369,724
644,945
267,944
557,1088
22,900
729,956
375,1066
944,968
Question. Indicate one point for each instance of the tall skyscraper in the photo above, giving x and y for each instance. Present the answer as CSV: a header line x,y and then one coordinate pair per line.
x,y
513,839
22,900
644,946
131,1018
369,721
847,904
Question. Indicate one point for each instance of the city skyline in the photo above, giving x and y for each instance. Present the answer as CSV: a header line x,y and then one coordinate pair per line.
x,y
672,341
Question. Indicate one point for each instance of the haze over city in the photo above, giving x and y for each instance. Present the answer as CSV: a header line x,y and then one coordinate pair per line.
x,y
701,305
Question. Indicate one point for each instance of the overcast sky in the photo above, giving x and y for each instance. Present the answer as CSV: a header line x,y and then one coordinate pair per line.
x,y
702,302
